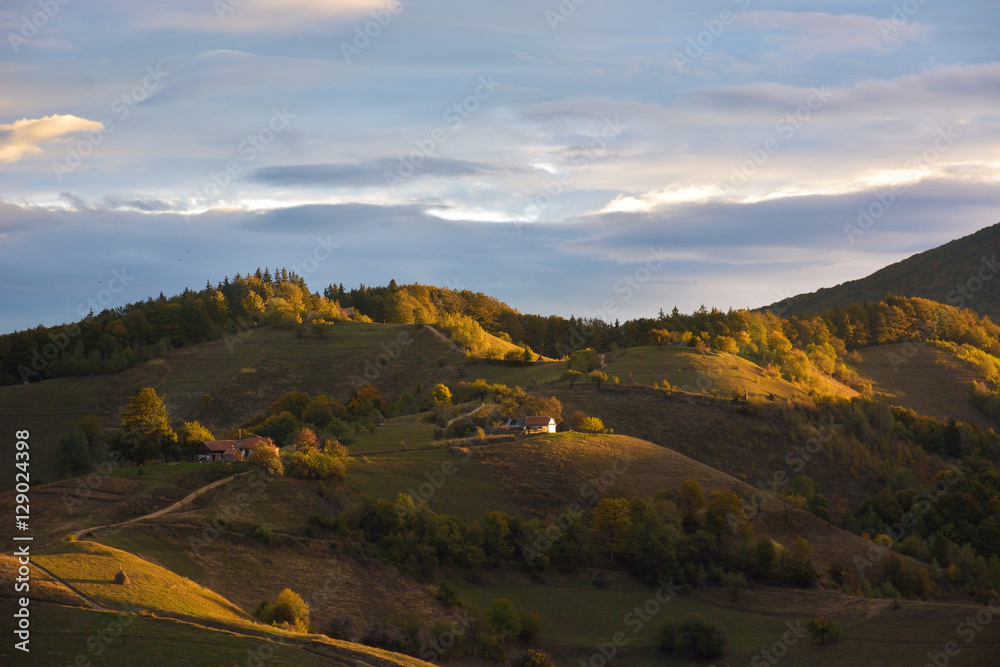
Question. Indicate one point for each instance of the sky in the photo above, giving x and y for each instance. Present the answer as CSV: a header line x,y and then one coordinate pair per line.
x,y
571,157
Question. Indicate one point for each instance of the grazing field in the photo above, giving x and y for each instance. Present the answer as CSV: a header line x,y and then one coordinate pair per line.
x,y
451,482
716,373
930,382
90,568
65,635
546,473
748,441
397,434
46,410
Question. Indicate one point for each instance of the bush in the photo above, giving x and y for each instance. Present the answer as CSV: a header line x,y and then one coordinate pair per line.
x,y
447,594
531,625
312,464
265,536
533,658
590,425
504,618
822,629
701,638
290,608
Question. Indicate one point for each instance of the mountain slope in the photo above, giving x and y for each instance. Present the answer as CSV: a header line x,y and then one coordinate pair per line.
x,y
940,274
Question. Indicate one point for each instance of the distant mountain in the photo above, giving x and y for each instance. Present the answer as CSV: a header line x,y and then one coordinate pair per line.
x,y
964,273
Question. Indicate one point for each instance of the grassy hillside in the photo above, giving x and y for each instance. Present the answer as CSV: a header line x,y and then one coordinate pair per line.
x,y
718,373
90,568
935,274
546,473
241,374
930,382
748,441
466,488
874,634
63,635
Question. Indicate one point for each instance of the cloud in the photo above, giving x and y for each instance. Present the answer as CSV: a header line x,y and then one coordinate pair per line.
x,y
814,33
24,136
261,16
368,173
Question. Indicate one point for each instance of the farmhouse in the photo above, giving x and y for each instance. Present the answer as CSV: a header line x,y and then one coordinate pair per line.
x,y
229,450
535,424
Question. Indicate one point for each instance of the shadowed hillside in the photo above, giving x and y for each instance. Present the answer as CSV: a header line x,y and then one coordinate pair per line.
x,y
939,274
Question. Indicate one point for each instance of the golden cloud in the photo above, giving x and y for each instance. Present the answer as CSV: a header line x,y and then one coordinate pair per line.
x,y
24,136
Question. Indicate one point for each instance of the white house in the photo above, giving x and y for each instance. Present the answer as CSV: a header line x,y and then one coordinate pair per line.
x,y
536,424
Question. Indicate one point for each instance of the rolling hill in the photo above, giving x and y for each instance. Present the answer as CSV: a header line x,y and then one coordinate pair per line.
x,y
939,274
931,382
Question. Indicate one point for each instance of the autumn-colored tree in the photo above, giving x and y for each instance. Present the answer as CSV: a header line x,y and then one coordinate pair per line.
x,y
145,427
661,337
590,425
571,376
441,394
190,435
266,458
598,377
305,439
290,608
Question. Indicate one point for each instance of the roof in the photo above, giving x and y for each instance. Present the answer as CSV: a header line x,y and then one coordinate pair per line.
x,y
528,422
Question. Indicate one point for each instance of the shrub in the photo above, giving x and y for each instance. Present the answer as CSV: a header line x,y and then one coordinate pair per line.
x,y
265,536
822,629
531,625
312,464
447,594
702,638
590,425
504,618
290,608
533,658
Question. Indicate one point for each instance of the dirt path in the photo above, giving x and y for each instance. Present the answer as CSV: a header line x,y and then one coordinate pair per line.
x,y
455,346
55,577
467,414
152,515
